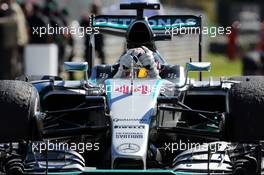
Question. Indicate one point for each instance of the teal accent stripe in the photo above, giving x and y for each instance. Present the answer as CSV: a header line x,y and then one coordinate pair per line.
x,y
157,85
127,171
108,91
93,81
172,26
118,26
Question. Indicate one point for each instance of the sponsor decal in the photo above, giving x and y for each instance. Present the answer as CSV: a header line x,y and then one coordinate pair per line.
x,y
153,21
129,127
129,135
125,89
172,22
128,148
115,21
141,120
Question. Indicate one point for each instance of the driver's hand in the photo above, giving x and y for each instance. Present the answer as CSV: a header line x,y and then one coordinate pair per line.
x,y
126,60
147,60
136,52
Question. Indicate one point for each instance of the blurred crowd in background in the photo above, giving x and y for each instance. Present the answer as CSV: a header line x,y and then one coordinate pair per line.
x,y
19,17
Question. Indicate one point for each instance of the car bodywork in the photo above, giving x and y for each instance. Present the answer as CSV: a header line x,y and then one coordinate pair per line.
x,y
137,123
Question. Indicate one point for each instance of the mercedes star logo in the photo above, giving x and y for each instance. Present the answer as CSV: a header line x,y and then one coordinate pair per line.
x,y
128,148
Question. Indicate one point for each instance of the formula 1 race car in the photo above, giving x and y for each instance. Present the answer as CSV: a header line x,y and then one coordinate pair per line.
x,y
136,125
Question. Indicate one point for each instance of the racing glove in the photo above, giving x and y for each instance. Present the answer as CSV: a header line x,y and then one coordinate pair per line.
x,y
126,60
147,60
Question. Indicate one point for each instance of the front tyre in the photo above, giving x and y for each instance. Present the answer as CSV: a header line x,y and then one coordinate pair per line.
x,y
19,105
246,105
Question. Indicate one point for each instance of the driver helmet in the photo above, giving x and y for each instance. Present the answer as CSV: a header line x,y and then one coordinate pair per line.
x,y
140,34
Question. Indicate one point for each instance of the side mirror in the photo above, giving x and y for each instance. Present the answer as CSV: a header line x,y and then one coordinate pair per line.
x,y
76,66
198,66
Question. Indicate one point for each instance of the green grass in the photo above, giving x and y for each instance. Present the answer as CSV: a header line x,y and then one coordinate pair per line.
x,y
221,67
